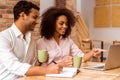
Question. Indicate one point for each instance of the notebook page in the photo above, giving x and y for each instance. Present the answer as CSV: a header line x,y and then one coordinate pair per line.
x,y
66,72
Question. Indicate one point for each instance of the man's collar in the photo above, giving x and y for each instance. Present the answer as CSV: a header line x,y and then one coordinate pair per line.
x,y
18,33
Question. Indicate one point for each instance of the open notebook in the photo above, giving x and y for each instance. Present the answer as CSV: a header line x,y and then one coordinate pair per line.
x,y
66,72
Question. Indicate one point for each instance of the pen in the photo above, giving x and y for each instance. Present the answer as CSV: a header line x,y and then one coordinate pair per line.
x,y
78,70
54,62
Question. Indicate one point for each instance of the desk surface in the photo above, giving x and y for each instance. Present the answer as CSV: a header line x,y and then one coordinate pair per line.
x,y
85,74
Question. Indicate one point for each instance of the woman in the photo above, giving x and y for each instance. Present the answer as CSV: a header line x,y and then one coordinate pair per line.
x,y
55,29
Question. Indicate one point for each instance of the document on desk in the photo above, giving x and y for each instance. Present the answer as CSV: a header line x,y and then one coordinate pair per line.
x,y
66,72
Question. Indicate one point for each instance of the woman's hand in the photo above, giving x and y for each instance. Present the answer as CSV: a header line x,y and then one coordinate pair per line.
x,y
96,51
66,62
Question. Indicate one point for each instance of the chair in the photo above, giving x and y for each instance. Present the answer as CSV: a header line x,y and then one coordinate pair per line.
x,y
87,45
116,42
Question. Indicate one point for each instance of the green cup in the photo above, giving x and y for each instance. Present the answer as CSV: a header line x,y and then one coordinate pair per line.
x,y
42,55
77,60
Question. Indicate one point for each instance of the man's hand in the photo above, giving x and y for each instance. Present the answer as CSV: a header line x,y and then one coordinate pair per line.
x,y
54,68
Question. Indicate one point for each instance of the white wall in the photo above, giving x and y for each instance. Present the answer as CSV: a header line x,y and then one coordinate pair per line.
x,y
78,5
44,4
87,10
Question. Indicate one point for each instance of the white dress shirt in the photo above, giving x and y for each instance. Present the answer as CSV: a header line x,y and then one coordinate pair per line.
x,y
16,53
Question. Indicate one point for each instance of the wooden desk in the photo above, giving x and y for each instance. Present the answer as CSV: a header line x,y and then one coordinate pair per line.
x,y
102,47
85,74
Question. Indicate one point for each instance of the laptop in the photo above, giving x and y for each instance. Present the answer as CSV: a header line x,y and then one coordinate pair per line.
x,y
112,60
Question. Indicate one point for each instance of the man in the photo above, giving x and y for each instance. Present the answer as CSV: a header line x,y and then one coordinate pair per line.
x,y
17,49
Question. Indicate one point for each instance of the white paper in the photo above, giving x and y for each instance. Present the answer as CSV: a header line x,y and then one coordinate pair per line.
x,y
66,72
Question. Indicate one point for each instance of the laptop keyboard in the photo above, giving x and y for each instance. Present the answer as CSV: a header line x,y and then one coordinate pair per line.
x,y
99,67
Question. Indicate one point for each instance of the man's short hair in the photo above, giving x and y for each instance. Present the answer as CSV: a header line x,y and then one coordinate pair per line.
x,y
23,6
